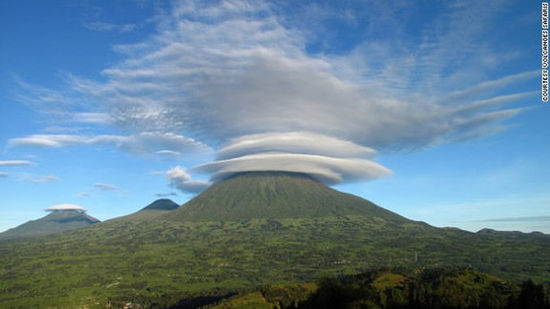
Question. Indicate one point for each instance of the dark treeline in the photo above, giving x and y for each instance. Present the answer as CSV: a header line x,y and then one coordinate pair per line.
x,y
431,288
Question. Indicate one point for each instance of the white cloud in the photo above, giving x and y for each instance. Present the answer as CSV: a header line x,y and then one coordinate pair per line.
x,y
487,86
181,180
37,179
61,129
15,163
325,169
168,153
166,194
178,173
82,194
105,186
142,143
2,174
47,140
324,158
94,118
102,27
293,142
65,207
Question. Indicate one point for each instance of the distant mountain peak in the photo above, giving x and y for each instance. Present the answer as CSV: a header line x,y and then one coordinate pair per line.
x,y
161,204
53,223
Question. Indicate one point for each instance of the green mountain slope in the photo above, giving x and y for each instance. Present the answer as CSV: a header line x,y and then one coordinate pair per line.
x,y
275,195
202,249
53,223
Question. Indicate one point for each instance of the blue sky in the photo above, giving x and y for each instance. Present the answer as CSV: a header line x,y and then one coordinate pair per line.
x,y
429,109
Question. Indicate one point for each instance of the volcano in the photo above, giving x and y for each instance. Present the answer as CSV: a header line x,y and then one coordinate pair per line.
x,y
249,230
162,204
53,223
276,195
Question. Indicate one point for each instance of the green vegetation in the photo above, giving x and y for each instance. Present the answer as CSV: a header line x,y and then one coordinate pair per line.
x,y
270,296
169,259
53,223
398,288
427,288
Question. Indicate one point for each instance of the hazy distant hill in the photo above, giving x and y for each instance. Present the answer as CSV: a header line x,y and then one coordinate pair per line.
x,y
53,223
243,232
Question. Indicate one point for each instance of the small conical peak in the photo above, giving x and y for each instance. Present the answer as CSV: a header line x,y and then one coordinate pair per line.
x,y
161,204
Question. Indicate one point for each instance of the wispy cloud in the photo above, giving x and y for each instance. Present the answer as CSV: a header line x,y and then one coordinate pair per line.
x,y
95,118
82,194
105,186
37,179
15,163
103,26
166,194
168,153
142,143
2,174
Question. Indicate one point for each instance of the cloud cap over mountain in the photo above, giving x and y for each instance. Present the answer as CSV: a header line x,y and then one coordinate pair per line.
x,y
62,207
325,169
327,159
293,142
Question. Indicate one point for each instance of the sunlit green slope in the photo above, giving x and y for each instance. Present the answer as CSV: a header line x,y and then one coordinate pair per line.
x,y
275,195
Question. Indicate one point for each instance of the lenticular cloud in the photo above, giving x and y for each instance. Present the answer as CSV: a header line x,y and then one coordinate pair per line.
x,y
293,142
327,159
